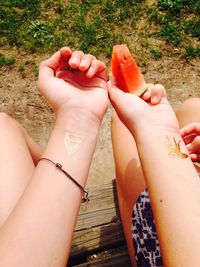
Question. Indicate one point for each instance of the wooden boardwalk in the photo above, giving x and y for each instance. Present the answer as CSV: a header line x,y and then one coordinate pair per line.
x,y
98,238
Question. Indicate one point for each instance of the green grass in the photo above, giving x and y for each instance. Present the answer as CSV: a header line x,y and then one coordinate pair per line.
x,y
155,53
96,25
192,52
6,61
178,20
21,67
14,17
93,26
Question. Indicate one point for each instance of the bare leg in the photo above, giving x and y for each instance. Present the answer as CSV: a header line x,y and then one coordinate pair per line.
x,y
34,149
16,164
130,179
189,112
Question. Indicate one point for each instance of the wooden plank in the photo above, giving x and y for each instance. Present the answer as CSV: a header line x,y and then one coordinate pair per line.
x,y
101,209
98,224
99,229
97,238
120,259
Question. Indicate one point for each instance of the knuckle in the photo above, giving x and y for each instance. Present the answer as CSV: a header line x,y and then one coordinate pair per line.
x,y
90,56
160,86
101,64
79,52
43,63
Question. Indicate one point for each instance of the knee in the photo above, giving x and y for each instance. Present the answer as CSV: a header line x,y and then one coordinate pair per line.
x,y
4,118
6,122
189,104
189,111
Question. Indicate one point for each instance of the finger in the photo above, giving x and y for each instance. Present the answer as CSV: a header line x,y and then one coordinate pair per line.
x,y
195,157
66,52
121,100
79,79
157,92
97,68
86,62
189,138
193,128
50,66
147,95
75,59
195,145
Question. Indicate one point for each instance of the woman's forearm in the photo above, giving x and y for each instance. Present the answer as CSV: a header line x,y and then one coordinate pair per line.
x,y
39,230
174,190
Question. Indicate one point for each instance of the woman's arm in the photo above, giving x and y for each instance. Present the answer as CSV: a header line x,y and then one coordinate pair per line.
x,y
174,190
171,178
40,229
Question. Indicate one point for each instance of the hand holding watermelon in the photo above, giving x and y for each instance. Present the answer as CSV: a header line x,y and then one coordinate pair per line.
x,y
150,111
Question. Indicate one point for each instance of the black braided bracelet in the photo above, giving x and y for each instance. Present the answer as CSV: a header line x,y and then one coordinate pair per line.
x,y
59,166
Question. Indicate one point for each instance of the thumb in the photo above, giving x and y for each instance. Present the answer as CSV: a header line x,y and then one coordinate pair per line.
x,y
122,101
125,105
119,100
115,95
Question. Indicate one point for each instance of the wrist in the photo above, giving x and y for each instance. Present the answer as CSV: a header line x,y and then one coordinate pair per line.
x,y
155,132
162,143
80,113
78,120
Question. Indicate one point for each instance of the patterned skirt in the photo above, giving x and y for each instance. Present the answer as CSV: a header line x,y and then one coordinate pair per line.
x,y
144,235
145,240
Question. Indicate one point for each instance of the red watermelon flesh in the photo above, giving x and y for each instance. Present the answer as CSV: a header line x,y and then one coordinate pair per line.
x,y
127,75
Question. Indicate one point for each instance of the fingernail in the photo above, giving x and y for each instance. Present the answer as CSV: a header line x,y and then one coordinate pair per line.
x,y
189,147
154,99
73,61
147,94
82,66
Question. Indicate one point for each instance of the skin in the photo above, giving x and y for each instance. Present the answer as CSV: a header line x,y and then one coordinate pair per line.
x,y
180,184
18,152
129,174
191,136
189,121
38,209
72,83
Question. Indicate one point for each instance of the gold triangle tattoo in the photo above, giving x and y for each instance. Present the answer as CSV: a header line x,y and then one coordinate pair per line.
x,y
72,142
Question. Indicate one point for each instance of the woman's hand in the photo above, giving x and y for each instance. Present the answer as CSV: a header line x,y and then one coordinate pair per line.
x,y
72,80
191,137
149,113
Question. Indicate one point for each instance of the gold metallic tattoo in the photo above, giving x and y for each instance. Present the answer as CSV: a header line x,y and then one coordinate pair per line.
x,y
72,142
174,150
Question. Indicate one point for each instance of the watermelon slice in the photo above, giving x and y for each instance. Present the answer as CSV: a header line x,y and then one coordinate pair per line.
x,y
127,75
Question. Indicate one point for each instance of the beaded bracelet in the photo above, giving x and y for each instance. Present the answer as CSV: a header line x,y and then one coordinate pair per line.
x,y
59,166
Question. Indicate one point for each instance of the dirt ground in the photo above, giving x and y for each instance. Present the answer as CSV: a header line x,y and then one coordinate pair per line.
x,y
19,98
